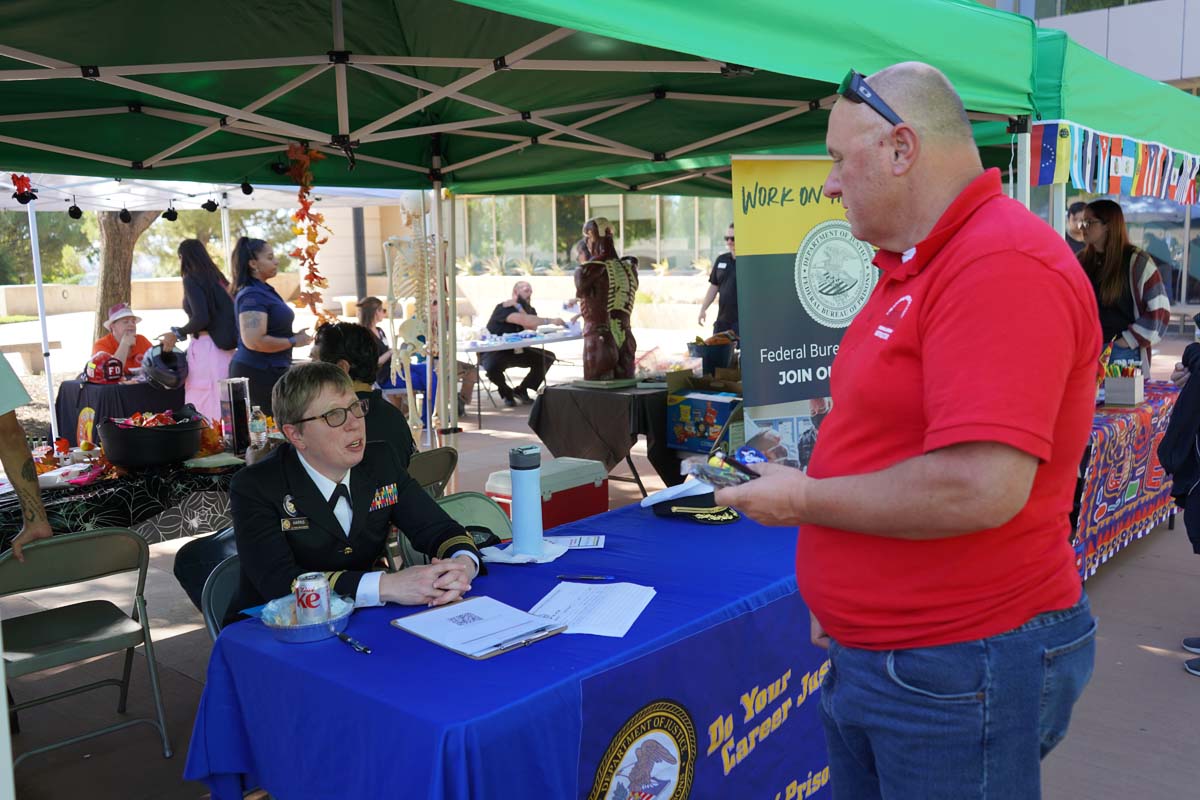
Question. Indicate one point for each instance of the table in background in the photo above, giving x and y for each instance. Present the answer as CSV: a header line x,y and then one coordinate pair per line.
x,y
481,347
603,425
1125,494
414,720
107,401
158,504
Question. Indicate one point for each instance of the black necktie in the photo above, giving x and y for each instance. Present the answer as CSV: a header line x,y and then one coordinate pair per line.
x,y
339,491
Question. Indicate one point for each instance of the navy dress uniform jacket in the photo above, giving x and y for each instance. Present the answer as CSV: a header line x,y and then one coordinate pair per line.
x,y
284,527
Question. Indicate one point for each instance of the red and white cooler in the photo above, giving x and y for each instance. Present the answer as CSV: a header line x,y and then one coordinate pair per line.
x,y
572,488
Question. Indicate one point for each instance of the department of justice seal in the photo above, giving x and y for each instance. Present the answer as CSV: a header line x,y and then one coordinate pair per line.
x,y
652,756
834,273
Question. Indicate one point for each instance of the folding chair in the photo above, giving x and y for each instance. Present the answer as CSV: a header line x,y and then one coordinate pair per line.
x,y
219,591
473,509
433,469
66,634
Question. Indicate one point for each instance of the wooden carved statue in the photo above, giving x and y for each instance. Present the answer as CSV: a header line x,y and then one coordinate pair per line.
x,y
606,287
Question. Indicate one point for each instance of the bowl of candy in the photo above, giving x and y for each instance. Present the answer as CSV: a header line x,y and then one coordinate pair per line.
x,y
150,440
280,616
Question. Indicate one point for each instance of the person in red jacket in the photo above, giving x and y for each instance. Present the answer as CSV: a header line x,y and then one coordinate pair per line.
x,y
123,341
933,520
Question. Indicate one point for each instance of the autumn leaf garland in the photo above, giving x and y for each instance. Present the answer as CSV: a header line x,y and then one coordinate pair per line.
x,y
309,224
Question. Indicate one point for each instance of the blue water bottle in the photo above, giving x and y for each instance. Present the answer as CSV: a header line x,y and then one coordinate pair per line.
x,y
524,467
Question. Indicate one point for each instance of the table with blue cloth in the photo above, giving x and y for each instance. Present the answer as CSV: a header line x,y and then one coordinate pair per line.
x,y
713,693
104,401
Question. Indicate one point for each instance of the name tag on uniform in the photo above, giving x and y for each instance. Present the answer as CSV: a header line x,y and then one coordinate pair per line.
x,y
297,524
721,265
384,496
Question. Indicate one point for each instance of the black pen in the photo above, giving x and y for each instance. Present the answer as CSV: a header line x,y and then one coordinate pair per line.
x,y
358,646
586,578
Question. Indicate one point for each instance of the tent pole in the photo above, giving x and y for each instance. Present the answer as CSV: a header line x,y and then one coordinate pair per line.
x,y
1021,183
41,303
451,329
427,426
225,236
1058,207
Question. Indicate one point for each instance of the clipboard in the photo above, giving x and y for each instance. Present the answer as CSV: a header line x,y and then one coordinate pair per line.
x,y
498,627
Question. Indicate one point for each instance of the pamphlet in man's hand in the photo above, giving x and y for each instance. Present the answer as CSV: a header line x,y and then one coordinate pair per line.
x,y
479,627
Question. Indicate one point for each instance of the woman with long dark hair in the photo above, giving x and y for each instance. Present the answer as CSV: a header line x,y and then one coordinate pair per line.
x,y
264,322
1134,307
211,324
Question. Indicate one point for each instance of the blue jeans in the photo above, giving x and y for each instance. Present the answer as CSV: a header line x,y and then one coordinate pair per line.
x,y
966,721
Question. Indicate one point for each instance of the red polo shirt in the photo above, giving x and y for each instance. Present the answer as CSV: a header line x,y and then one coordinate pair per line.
x,y
986,331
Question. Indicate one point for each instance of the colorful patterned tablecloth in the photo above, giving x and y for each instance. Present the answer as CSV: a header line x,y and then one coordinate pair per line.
x,y
1126,494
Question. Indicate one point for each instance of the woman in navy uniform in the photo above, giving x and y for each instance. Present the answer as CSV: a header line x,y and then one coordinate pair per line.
x,y
324,502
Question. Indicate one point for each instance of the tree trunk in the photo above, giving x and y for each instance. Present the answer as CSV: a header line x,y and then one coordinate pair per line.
x,y
117,240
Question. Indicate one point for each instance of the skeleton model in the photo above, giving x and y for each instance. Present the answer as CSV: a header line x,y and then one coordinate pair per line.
x,y
410,264
606,291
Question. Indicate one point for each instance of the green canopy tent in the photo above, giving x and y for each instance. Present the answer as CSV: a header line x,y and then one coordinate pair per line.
x,y
409,94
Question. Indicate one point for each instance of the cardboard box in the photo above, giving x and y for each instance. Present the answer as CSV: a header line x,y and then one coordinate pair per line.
x,y
724,380
1125,391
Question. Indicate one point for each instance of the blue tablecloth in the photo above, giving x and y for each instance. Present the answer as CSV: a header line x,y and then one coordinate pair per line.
x,y
414,720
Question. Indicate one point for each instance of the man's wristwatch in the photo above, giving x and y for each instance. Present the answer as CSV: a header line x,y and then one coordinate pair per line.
x,y
179,335
292,340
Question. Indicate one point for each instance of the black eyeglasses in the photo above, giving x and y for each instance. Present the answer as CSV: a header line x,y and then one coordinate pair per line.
x,y
337,417
855,89
729,238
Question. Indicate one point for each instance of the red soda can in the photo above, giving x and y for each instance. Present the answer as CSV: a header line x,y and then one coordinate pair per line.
x,y
312,598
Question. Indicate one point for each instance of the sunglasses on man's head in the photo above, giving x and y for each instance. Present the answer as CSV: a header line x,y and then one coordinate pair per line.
x,y
854,88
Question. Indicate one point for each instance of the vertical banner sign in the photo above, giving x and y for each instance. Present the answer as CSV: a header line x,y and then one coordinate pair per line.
x,y
802,278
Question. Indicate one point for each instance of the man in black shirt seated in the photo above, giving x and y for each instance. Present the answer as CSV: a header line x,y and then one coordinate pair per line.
x,y
354,348
512,316
326,500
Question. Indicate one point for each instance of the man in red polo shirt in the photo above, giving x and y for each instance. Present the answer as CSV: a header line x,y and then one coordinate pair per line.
x,y
932,549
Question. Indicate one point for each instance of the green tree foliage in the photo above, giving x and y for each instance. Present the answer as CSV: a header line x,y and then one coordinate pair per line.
x,y
160,244
64,244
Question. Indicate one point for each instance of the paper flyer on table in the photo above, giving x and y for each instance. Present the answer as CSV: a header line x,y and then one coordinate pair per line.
x,y
576,542
607,610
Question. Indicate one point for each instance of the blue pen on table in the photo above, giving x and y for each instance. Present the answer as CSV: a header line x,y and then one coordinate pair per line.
x,y
587,577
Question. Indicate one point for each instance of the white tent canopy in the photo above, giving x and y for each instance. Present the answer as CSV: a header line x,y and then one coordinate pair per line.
x,y
58,192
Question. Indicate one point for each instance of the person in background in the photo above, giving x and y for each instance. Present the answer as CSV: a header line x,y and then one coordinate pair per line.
x,y
933,548
18,463
512,316
123,341
344,494
211,324
722,281
352,347
1074,234
1134,309
264,320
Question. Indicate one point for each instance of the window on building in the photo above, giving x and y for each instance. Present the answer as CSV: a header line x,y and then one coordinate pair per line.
x,y
609,207
539,230
641,229
678,233
716,214
510,239
481,233
569,220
